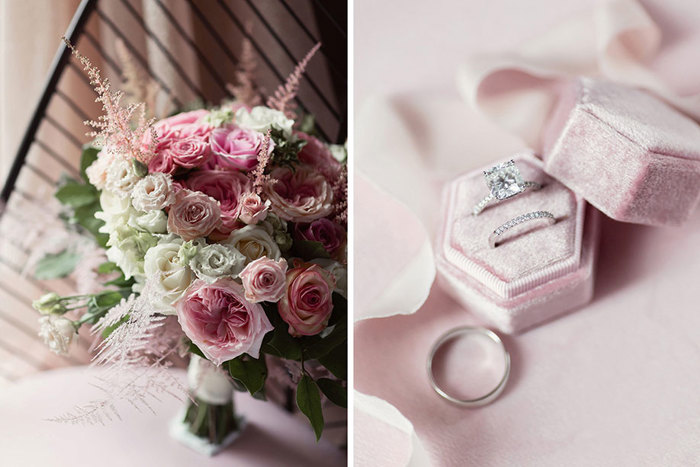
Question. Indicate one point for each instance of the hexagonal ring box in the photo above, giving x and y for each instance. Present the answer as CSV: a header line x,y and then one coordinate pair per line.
x,y
531,277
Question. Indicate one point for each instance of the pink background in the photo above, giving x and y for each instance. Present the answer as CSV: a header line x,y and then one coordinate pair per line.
x,y
615,383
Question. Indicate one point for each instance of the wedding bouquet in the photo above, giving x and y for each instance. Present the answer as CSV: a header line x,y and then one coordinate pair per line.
x,y
224,231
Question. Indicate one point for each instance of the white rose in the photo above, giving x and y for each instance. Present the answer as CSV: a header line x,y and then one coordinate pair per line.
x,y
214,261
338,271
153,192
115,210
152,221
254,242
262,118
121,177
58,333
168,277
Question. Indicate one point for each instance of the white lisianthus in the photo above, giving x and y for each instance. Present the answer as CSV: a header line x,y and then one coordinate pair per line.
x,y
165,273
121,177
127,249
261,118
57,332
214,261
153,192
254,242
339,273
155,222
277,228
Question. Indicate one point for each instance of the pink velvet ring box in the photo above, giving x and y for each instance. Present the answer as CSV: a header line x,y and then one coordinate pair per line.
x,y
625,151
539,273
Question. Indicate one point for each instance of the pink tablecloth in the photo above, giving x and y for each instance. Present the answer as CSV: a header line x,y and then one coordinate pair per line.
x,y
272,437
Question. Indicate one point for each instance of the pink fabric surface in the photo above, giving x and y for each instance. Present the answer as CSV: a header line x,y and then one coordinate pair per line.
x,y
612,384
272,437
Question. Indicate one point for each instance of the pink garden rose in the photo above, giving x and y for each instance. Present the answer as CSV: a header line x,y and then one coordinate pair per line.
x,y
307,303
193,215
236,147
171,130
329,234
220,321
227,187
317,155
300,195
264,279
253,210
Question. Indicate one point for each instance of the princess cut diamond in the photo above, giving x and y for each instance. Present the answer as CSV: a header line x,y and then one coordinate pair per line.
x,y
504,180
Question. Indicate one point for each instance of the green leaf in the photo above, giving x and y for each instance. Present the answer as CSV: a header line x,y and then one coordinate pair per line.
x,y
110,329
334,391
309,250
321,346
336,361
278,342
249,371
107,267
140,168
75,194
53,266
285,152
108,299
309,402
88,156
195,350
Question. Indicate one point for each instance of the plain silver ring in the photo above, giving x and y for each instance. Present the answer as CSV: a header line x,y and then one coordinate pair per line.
x,y
481,400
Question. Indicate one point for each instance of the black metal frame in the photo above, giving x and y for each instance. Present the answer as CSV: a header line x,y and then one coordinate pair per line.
x,y
333,14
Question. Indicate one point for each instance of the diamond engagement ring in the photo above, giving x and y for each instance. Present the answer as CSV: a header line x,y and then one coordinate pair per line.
x,y
499,353
504,181
546,216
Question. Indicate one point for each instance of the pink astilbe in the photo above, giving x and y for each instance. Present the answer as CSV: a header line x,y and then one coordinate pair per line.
x,y
245,91
258,175
283,98
120,128
340,197
137,86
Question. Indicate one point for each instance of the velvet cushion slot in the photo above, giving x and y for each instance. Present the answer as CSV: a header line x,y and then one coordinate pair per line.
x,y
528,279
628,153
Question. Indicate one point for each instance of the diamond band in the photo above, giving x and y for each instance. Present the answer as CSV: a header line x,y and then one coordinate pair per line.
x,y
546,216
504,181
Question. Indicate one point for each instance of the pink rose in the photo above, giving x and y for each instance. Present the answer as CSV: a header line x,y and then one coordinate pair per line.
x,y
253,210
227,187
220,321
316,154
329,234
236,147
264,279
193,215
190,152
162,162
170,130
300,195
307,303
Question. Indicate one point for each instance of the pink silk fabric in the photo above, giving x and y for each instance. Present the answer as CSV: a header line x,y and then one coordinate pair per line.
x,y
614,383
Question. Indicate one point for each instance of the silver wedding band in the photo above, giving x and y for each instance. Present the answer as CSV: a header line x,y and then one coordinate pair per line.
x,y
542,216
489,396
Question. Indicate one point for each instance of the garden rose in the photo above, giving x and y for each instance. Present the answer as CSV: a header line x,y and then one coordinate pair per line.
x,y
167,276
307,303
171,130
153,192
300,195
318,155
254,242
190,152
262,119
221,322
214,261
327,233
193,215
57,332
224,186
264,280
253,210
236,147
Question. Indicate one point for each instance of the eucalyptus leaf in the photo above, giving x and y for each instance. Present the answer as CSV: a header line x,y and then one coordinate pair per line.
x,y
249,371
334,391
309,402
53,266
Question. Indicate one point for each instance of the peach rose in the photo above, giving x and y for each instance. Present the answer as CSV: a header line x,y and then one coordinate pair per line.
x,y
300,195
193,215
